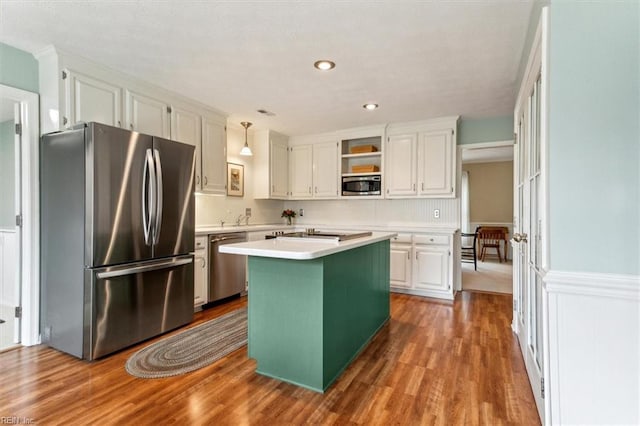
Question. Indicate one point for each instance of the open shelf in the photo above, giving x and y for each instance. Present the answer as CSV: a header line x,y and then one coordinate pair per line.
x,y
361,174
363,155
373,157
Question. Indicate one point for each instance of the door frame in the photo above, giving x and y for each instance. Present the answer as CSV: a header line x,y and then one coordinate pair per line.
x,y
537,65
29,268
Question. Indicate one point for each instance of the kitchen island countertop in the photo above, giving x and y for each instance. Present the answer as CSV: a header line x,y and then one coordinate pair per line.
x,y
301,248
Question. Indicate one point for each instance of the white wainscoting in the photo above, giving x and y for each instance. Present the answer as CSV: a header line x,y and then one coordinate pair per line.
x,y
396,212
594,348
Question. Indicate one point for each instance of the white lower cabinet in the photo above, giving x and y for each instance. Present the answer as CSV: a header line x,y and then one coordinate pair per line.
x,y
431,268
200,272
400,261
422,264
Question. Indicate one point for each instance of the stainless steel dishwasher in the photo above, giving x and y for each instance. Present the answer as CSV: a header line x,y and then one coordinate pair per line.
x,y
227,272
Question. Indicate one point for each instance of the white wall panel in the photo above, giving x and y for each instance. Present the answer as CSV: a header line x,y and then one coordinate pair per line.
x,y
594,348
404,212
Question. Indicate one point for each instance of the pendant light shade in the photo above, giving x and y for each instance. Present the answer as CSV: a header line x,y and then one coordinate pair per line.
x,y
245,149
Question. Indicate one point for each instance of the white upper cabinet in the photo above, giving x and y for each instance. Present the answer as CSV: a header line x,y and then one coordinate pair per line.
x,y
325,170
89,99
147,115
279,168
420,159
301,171
214,157
186,128
313,171
270,165
436,164
401,165
84,91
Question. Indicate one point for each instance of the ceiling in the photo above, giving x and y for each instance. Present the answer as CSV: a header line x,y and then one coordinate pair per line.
x,y
416,59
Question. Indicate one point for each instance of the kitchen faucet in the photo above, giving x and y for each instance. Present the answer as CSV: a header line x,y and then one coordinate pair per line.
x,y
240,218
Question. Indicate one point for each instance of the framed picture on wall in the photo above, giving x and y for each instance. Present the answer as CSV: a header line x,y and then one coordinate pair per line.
x,y
235,180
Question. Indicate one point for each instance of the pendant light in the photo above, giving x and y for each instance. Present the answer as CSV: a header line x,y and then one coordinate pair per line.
x,y
245,149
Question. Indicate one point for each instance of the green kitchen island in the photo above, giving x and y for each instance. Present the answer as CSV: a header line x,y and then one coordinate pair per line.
x,y
314,304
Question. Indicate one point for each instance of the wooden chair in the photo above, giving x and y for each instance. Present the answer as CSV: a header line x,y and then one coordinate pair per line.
x,y
468,251
492,237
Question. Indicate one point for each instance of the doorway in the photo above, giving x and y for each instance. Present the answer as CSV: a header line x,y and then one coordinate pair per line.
x,y
487,200
19,280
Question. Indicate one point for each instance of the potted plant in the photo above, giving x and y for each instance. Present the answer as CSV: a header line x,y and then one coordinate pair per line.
x,y
289,214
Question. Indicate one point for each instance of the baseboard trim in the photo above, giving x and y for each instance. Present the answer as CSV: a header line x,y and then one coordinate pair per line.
x,y
619,286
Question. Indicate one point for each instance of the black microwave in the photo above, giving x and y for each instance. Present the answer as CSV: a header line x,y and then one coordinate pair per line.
x,y
361,185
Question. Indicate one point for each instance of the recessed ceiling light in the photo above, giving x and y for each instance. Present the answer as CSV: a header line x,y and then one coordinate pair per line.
x,y
370,107
324,65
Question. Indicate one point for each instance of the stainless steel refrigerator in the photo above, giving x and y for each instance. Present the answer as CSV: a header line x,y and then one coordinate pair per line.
x,y
117,227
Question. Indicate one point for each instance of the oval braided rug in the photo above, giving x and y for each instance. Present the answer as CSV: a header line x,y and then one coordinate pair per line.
x,y
191,349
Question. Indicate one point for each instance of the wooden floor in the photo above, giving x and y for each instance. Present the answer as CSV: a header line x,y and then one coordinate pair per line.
x,y
434,363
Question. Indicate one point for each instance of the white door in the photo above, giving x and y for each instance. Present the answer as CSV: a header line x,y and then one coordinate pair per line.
x,y
436,163
431,268
214,157
529,208
325,170
10,235
89,99
400,165
301,171
147,115
186,128
400,265
279,167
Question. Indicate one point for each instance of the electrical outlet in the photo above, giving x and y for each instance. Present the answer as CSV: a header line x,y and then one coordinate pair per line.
x,y
436,213
301,212
247,212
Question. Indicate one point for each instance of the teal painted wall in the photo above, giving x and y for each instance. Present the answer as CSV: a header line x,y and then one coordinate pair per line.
x,y
7,175
18,68
485,130
594,137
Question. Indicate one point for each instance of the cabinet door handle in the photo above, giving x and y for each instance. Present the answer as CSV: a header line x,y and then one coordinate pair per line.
x,y
408,255
206,180
197,179
131,126
316,189
119,125
309,190
414,187
422,187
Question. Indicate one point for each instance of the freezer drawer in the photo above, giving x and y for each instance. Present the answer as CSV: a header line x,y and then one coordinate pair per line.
x,y
138,301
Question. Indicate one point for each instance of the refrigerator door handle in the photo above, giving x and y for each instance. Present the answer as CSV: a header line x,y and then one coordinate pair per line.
x,y
148,196
119,272
159,191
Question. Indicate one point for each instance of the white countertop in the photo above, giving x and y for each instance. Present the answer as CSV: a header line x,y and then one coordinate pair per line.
x,y
205,230
392,227
301,248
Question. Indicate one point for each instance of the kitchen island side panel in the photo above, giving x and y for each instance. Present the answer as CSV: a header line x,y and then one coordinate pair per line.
x,y
356,304
285,319
308,319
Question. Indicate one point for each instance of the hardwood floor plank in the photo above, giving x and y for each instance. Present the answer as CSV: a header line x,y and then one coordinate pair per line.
x,y
433,363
